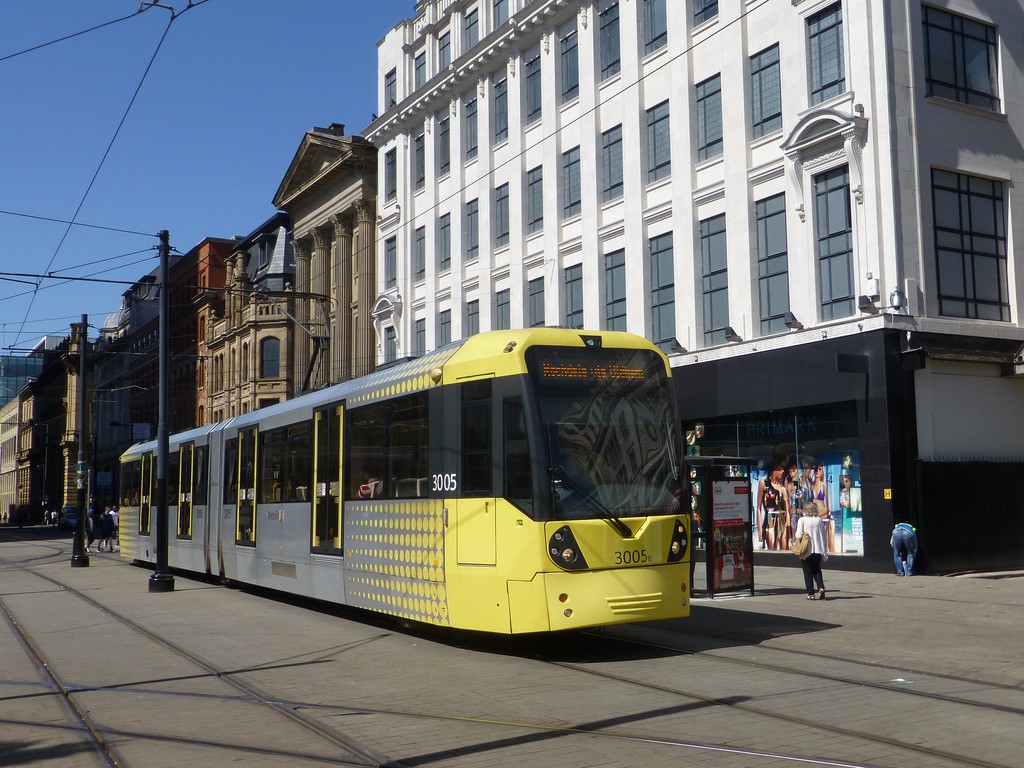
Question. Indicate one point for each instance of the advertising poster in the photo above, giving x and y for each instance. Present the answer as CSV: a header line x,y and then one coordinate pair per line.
x,y
732,547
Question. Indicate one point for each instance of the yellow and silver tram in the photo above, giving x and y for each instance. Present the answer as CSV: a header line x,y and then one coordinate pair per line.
x,y
516,481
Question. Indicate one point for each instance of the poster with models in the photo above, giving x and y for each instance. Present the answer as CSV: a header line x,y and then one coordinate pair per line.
x,y
825,483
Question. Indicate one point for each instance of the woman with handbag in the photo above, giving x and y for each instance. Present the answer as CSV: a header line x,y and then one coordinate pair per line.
x,y
810,523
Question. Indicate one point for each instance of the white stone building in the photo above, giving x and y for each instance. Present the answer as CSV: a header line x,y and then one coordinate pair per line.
x,y
809,204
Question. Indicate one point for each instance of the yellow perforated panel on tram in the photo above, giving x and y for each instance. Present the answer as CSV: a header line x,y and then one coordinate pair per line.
x,y
394,558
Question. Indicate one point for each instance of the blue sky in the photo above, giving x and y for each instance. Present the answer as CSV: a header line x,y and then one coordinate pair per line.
x,y
233,87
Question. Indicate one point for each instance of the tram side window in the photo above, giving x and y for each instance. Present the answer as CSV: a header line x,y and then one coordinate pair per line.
x,y
231,471
201,481
131,483
518,470
386,450
174,478
286,463
476,439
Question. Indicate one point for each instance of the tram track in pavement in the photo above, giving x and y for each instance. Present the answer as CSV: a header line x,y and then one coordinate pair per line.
x,y
611,645
100,737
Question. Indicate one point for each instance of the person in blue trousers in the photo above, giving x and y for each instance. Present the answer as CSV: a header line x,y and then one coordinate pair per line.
x,y
904,540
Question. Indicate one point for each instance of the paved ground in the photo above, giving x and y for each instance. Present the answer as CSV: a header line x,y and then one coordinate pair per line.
x,y
922,671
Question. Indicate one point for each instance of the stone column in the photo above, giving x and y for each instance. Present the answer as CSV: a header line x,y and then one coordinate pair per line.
x,y
341,294
303,345
319,276
364,288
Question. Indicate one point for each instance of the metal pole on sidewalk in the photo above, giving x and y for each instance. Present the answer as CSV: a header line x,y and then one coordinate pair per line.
x,y
79,558
162,580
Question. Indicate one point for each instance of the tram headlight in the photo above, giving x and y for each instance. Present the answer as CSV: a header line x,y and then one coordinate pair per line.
x,y
565,552
677,547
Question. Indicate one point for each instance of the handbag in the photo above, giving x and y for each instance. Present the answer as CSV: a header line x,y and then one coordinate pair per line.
x,y
802,546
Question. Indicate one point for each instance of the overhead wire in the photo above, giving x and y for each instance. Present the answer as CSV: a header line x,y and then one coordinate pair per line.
x,y
142,7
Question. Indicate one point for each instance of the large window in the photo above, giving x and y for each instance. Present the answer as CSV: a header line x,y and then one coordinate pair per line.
x,y
444,50
534,200
655,25
500,12
386,449
444,145
419,253
709,118
444,328
419,337
419,68
834,233
390,89
659,150
970,246
270,358
574,296
611,58
499,112
390,262
532,93
419,162
472,318
611,164
500,223
714,279
391,175
960,59
286,463
569,65
825,39
471,230
471,29
663,291
704,10
765,92
571,190
502,310
444,242
772,262
469,128
536,290
615,290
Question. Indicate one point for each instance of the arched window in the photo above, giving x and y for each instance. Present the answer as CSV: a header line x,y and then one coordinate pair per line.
x,y
245,362
270,358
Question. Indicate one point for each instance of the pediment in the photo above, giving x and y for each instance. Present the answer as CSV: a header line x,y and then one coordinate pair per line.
x,y
314,163
822,127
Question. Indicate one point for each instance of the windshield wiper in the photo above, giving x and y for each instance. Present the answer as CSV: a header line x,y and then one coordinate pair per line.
x,y
609,517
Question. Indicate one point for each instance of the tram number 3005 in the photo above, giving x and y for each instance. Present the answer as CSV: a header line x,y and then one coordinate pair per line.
x,y
632,557
447,481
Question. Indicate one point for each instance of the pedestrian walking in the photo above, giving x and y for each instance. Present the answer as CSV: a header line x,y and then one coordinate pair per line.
x,y
904,548
92,528
106,522
817,553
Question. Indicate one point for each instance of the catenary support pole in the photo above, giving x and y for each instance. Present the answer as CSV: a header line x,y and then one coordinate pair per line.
x,y
162,580
79,557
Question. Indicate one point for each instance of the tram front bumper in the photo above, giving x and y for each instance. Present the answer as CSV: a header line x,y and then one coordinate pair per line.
x,y
557,601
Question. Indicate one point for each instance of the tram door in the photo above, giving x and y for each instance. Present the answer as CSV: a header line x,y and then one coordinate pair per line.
x,y
476,513
199,497
145,493
245,531
327,510
187,462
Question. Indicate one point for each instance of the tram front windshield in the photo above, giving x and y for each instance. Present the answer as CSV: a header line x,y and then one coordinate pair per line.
x,y
607,422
